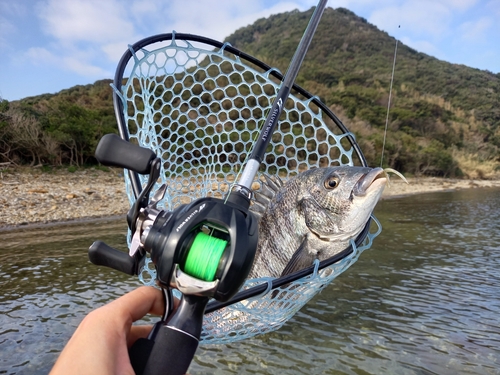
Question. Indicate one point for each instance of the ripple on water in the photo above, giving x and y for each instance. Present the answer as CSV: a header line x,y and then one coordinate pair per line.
x,y
424,300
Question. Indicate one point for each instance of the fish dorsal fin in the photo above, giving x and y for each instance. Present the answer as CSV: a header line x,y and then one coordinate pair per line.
x,y
268,190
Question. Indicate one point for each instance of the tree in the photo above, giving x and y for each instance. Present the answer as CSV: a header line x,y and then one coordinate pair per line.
x,y
22,138
77,129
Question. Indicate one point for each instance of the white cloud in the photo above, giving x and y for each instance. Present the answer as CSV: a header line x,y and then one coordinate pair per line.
x,y
82,39
84,34
114,51
39,55
144,7
425,18
108,25
8,12
214,19
221,20
493,7
475,31
12,8
84,68
6,28
77,62
351,4
421,46
97,21
460,5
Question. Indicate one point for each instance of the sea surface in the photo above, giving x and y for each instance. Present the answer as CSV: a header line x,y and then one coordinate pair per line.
x,y
425,299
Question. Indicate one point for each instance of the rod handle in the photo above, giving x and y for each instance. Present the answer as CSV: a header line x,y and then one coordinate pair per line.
x,y
170,353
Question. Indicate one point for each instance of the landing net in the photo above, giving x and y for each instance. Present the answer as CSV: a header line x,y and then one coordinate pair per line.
x,y
199,105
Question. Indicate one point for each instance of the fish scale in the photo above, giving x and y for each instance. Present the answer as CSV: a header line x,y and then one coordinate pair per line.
x,y
306,219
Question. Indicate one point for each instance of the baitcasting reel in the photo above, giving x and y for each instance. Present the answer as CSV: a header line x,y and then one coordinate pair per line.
x,y
205,249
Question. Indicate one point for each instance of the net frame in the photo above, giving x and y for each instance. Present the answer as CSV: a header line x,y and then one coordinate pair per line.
x,y
146,113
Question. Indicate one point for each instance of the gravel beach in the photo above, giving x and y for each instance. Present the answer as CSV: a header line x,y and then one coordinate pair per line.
x,y
35,197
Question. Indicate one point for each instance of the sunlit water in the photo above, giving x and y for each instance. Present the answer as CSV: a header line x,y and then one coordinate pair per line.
x,y
424,300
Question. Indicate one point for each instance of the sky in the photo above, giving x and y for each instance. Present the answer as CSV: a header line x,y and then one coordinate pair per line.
x,y
50,45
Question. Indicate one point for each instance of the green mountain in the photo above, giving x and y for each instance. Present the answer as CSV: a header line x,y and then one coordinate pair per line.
x,y
444,118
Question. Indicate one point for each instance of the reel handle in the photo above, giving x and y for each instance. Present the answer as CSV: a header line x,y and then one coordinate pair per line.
x,y
113,151
101,254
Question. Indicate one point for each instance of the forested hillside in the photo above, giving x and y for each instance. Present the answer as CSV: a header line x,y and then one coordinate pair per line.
x,y
57,129
444,118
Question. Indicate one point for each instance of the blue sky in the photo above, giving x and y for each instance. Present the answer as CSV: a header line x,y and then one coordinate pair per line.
x,y
50,45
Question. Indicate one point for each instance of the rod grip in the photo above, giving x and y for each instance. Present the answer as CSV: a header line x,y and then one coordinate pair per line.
x,y
171,353
113,151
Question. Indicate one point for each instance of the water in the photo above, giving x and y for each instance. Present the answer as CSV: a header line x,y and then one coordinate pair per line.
x,y
424,300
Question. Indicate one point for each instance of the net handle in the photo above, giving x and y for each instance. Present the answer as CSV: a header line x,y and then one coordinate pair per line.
x,y
130,54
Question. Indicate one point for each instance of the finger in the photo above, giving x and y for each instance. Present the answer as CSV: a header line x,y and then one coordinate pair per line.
x,y
137,303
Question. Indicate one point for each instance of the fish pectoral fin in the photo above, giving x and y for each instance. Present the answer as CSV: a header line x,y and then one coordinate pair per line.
x,y
302,258
317,220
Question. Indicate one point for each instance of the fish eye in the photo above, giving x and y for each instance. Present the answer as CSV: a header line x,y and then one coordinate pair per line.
x,y
332,182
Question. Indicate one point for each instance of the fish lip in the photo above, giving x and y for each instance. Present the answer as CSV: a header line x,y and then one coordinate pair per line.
x,y
366,181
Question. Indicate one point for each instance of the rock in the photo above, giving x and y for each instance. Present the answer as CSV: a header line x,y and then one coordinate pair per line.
x,y
41,191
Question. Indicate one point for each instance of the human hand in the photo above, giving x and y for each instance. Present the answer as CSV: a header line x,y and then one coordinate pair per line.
x,y
101,341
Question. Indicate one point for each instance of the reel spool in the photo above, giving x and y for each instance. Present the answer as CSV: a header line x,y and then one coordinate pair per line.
x,y
204,256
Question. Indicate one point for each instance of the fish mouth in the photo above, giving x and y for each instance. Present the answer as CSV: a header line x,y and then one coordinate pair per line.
x,y
376,178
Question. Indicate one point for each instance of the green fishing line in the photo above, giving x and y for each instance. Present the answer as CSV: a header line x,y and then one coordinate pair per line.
x,y
204,255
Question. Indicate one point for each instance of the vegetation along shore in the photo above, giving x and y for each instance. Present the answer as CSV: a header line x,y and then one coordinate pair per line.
x,y
31,196
444,119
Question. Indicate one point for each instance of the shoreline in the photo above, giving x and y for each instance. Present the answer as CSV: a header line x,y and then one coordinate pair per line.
x,y
36,199
423,185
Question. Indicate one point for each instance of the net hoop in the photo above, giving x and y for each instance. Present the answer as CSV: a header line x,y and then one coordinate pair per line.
x,y
198,104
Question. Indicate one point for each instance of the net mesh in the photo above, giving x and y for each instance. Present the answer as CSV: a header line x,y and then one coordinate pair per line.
x,y
200,109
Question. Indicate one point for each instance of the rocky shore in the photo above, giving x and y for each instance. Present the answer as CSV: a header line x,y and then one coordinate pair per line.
x,y
36,197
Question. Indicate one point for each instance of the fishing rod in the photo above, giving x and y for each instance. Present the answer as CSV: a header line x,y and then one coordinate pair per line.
x,y
267,131
205,249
